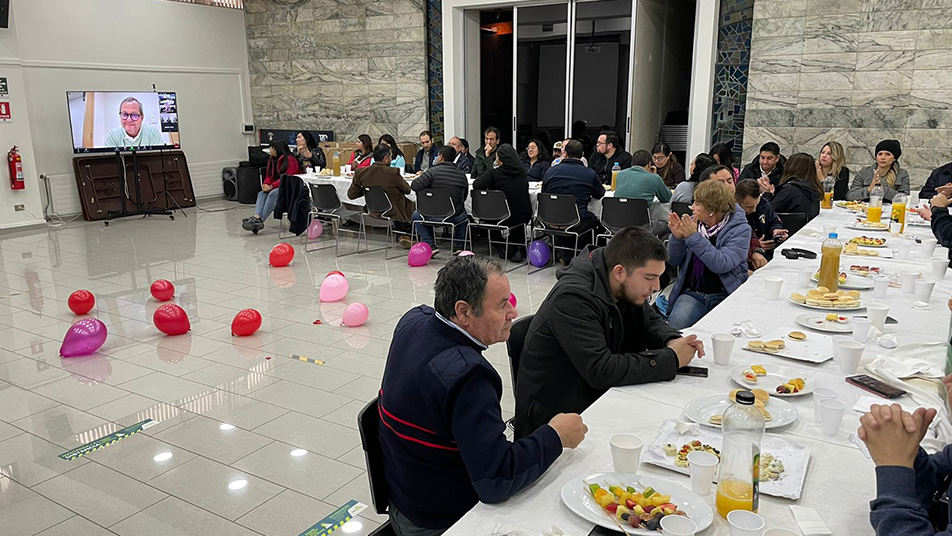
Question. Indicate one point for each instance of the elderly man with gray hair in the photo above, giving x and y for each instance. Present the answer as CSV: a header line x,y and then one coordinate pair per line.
x,y
131,132
442,431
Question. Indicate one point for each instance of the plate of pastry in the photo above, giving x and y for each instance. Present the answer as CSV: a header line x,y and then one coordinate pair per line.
x,y
793,344
708,410
822,299
829,323
775,379
868,241
848,281
864,225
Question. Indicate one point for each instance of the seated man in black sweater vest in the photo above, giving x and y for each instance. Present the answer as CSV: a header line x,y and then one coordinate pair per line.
x,y
442,431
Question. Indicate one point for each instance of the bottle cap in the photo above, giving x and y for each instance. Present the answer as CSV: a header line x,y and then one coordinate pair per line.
x,y
833,235
745,398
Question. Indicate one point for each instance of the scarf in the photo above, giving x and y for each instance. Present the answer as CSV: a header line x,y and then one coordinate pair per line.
x,y
697,265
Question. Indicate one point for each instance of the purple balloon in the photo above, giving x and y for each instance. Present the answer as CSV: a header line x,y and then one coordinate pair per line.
x,y
83,338
539,253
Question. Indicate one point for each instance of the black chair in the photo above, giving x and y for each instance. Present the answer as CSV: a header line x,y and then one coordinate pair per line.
x,y
437,204
375,210
681,208
793,221
368,421
557,214
621,212
324,207
517,338
490,212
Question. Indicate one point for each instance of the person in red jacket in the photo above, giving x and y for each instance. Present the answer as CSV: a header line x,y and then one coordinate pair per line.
x,y
282,162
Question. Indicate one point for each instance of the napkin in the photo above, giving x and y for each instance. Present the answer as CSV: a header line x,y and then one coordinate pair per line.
x,y
862,405
686,427
809,521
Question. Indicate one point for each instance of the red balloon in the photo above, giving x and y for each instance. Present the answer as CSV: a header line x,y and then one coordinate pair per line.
x,y
162,290
171,320
81,302
246,322
338,272
281,254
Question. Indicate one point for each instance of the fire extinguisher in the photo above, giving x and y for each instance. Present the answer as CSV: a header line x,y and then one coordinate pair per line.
x,y
15,163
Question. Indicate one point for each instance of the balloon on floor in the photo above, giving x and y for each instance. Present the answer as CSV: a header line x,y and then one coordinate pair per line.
x,y
338,272
246,322
465,253
539,253
171,320
162,290
83,338
512,299
355,315
281,254
81,302
420,254
315,230
334,288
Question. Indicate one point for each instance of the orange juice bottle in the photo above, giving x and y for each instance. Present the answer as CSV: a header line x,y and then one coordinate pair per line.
x,y
738,474
616,169
336,163
829,276
874,212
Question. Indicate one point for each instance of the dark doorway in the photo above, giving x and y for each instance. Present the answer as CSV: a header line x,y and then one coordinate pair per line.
x,y
495,72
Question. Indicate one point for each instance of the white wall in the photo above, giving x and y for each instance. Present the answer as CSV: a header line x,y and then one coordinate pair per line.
x,y
53,46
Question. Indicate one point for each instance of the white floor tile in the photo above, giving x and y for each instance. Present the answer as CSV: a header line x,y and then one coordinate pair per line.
x,y
175,516
29,459
209,438
276,464
24,511
316,435
74,526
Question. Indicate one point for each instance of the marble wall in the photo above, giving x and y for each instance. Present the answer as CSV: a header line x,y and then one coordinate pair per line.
x,y
351,66
854,71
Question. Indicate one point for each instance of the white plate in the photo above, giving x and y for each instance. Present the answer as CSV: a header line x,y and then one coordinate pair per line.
x,y
854,282
701,409
860,209
881,253
860,226
885,244
918,222
831,309
819,323
815,348
776,375
576,497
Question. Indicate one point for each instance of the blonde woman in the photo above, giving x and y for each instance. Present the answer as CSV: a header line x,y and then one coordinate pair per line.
x,y
832,163
885,172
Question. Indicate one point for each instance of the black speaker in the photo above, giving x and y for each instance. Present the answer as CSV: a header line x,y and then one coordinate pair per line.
x,y
229,183
4,13
249,184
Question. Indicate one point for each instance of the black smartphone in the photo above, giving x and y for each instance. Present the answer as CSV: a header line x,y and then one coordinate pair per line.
x,y
601,531
877,387
700,372
889,319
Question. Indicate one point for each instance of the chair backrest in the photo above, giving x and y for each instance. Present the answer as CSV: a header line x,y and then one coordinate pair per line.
x,y
621,212
558,210
324,197
681,208
377,200
368,422
435,203
517,338
490,205
793,221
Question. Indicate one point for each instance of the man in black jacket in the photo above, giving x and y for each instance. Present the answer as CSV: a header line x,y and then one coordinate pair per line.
x,y
596,330
571,177
444,176
941,176
769,163
607,152
427,154
486,155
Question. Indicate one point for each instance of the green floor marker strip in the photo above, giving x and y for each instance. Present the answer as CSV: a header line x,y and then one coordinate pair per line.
x,y
335,520
307,359
102,442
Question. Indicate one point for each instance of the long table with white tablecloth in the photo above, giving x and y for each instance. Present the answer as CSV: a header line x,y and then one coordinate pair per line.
x,y
840,478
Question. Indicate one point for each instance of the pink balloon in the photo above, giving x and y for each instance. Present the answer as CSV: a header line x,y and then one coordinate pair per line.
x,y
315,229
355,315
83,338
465,253
512,299
420,254
334,288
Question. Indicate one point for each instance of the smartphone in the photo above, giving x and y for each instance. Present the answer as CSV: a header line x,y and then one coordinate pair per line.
x,y
889,319
877,387
601,531
700,372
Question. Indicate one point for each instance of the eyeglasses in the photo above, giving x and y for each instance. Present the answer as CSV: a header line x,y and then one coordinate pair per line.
x,y
125,117
601,143
659,157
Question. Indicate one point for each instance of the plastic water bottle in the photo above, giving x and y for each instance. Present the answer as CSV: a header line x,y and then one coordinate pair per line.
x,y
337,163
615,170
830,252
738,477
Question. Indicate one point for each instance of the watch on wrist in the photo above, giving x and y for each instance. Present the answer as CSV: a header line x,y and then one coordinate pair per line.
x,y
761,251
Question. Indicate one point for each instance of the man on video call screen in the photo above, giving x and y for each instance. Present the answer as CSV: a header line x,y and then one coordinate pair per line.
x,y
132,133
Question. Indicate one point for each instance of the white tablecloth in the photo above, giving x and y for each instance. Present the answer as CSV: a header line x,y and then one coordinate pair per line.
x,y
840,480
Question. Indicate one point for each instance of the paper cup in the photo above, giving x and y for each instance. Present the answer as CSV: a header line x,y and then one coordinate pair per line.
x,y
895,228
805,278
902,249
831,416
939,268
924,288
861,328
773,285
928,247
908,280
850,352
702,466
780,532
880,286
828,229
678,526
836,347
941,252
723,344
626,452
745,523
877,315
821,393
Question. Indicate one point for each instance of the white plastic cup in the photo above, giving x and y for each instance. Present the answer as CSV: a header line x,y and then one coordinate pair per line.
x,y
780,532
310,170
831,416
836,346
850,352
626,452
877,315
702,466
928,247
723,344
745,523
895,228
827,229
939,268
924,288
805,278
821,393
861,328
773,285
678,526
941,252
902,250
880,286
908,280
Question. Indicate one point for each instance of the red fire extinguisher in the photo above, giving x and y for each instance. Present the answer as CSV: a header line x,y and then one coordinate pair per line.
x,y
15,163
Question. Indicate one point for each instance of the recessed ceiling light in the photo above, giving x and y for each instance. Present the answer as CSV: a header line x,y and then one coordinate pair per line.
x,y
226,426
162,456
298,452
352,526
237,484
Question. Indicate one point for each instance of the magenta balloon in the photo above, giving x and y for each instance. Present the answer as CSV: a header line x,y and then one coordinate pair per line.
x,y
83,338
512,299
315,229
355,315
420,254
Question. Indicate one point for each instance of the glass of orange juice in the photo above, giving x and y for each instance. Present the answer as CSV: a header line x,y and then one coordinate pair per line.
x,y
734,495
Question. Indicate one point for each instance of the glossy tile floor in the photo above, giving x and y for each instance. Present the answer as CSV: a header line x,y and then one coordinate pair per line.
x,y
248,440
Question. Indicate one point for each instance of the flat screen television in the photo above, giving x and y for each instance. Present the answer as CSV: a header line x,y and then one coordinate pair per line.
x,y
109,121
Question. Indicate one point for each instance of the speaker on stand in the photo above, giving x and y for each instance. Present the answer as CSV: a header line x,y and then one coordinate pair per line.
x,y
229,183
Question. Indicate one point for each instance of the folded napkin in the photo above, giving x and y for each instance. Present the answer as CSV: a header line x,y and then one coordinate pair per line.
x,y
862,405
922,360
808,519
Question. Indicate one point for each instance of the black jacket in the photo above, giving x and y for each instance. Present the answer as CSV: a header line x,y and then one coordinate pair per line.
x,y
317,159
942,227
763,221
293,198
752,170
418,159
842,185
511,179
603,165
465,163
573,178
581,343
795,196
536,171
939,177
445,176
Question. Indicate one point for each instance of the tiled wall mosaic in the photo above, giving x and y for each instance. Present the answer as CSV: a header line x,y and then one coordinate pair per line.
x,y
434,66
733,62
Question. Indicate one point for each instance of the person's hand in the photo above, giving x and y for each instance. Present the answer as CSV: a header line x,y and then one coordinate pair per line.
x,y
686,348
782,234
758,260
688,226
767,243
487,150
305,152
945,189
940,200
652,168
924,213
819,172
570,428
874,183
266,188
765,185
418,173
892,435
674,225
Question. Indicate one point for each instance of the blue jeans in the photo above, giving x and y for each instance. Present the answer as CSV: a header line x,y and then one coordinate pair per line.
x,y
691,306
264,207
425,232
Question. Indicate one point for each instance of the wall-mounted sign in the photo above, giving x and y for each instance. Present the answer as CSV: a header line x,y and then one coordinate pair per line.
x,y
4,91
5,114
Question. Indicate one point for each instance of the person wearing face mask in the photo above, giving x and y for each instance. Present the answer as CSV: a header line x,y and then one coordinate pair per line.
x,y
884,172
509,177
769,163
486,155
